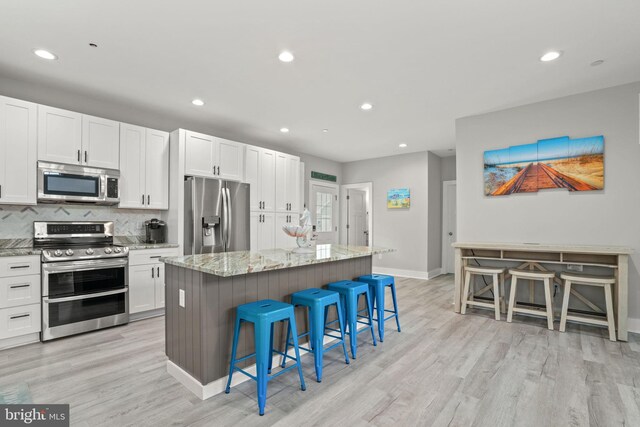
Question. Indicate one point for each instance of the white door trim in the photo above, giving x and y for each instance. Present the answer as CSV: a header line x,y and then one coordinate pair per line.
x,y
368,186
446,189
336,187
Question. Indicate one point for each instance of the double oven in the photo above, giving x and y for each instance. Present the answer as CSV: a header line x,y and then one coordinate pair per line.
x,y
84,278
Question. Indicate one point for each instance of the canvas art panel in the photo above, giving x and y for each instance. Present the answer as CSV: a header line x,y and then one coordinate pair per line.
x,y
572,164
398,198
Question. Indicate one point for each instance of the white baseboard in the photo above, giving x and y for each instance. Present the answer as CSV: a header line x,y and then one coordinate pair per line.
x,y
146,314
633,325
205,391
18,341
413,274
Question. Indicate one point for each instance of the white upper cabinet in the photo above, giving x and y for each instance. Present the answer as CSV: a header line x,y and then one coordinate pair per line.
x,y
211,157
144,168
287,183
100,142
199,155
268,179
18,146
157,169
252,177
230,159
260,174
59,135
73,138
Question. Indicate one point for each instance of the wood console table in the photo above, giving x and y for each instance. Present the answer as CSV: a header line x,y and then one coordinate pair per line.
x,y
533,256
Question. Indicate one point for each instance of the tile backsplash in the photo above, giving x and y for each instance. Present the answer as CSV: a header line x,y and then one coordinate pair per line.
x,y
16,222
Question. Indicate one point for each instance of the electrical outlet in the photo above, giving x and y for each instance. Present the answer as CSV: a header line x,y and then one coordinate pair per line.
x,y
181,298
574,267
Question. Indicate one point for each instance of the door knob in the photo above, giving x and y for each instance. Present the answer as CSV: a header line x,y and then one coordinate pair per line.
x,y
450,234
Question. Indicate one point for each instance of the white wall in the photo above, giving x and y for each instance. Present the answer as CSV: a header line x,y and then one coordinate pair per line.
x,y
402,229
448,167
608,217
317,164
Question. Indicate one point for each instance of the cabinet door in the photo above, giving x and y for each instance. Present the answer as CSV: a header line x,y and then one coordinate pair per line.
x,y
293,183
254,227
100,142
230,159
252,175
159,285
142,288
199,155
132,166
266,233
18,145
157,170
282,173
282,240
59,135
268,179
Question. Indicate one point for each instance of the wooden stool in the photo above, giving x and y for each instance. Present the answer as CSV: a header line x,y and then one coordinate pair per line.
x,y
583,279
547,278
497,274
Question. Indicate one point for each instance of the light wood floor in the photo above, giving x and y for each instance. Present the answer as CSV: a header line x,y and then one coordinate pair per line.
x,y
444,369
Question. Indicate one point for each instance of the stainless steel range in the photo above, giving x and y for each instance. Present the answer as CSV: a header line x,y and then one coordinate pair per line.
x,y
85,283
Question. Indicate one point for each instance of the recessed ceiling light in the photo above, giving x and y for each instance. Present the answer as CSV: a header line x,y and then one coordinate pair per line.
x,y
366,106
402,145
550,56
286,56
45,54
325,130
198,102
598,62
284,130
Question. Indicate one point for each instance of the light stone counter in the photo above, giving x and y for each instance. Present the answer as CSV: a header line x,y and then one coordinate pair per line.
x,y
244,262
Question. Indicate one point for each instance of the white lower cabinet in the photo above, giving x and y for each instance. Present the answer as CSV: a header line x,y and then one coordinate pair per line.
x,y
20,305
283,240
146,279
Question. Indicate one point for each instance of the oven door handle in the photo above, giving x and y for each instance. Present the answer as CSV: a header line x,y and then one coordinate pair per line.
x,y
83,265
85,296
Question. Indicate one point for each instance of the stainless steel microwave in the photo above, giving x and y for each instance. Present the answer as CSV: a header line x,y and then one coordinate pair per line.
x,y
58,183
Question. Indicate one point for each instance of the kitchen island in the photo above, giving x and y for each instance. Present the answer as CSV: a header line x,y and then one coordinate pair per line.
x,y
202,292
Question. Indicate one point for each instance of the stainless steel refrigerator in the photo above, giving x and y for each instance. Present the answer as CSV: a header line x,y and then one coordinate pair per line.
x,y
216,216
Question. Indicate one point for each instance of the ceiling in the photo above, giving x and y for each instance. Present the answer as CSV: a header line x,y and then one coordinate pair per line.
x,y
422,64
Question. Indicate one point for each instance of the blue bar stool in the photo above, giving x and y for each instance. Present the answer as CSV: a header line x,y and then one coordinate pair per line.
x,y
318,302
263,314
378,283
350,293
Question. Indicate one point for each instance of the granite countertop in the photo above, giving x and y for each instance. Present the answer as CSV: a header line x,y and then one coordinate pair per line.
x,y
243,262
22,247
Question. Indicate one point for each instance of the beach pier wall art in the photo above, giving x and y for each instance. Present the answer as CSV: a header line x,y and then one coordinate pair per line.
x,y
573,164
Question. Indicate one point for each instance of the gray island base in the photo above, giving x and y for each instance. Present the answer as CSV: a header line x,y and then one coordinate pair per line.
x,y
199,332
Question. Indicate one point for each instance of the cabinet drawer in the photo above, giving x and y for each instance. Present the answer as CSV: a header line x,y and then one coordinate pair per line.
x,y
150,256
16,321
19,265
19,290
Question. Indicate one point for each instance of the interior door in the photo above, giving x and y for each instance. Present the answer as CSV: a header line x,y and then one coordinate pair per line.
x,y
323,201
357,234
449,225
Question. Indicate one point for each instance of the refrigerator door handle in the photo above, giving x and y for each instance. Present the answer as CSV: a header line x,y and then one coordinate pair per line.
x,y
225,218
229,216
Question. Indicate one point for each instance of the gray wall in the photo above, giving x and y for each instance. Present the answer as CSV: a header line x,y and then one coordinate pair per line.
x,y
434,212
312,163
608,217
448,167
402,229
